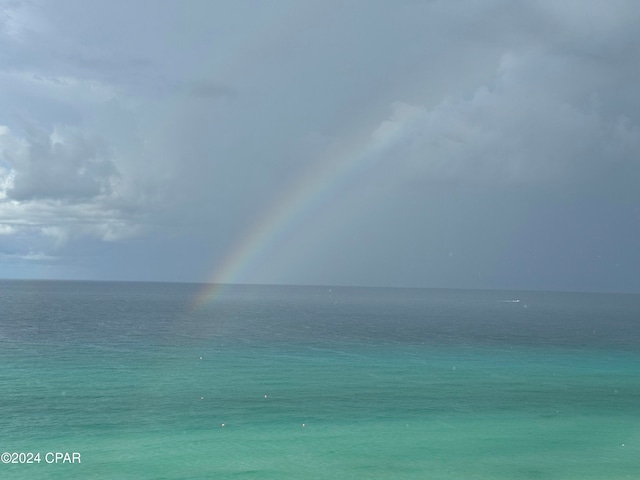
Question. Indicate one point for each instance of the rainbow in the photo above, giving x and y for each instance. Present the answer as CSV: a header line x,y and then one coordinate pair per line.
x,y
335,171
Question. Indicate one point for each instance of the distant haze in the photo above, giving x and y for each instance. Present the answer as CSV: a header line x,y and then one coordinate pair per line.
x,y
463,144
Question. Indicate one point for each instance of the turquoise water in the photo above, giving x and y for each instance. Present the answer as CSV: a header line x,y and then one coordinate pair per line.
x,y
307,383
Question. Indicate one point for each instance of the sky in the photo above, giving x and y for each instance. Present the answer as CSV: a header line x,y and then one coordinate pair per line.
x,y
448,144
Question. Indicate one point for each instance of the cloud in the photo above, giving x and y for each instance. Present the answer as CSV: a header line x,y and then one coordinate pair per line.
x,y
64,165
536,122
17,20
32,257
209,89
7,230
60,89
181,130
63,185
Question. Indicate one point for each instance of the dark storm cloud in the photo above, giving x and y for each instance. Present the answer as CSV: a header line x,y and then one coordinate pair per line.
x,y
425,143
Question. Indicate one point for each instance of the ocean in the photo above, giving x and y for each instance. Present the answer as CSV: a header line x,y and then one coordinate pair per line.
x,y
103,380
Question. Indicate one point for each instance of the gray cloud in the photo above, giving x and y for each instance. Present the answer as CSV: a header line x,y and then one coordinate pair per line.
x,y
179,134
64,165
533,123
210,89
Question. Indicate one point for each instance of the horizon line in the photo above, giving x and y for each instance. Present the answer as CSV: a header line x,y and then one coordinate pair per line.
x,y
312,285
